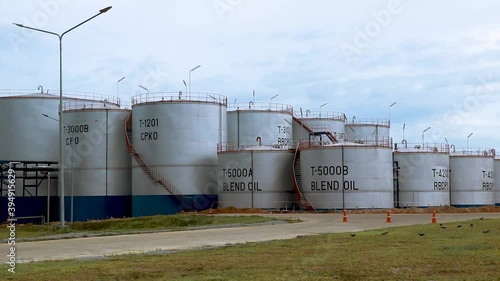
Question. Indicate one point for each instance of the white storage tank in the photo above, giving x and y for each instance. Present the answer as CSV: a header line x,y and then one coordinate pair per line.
x,y
421,175
28,114
347,175
472,177
255,177
497,188
366,129
260,123
30,135
333,122
97,162
175,139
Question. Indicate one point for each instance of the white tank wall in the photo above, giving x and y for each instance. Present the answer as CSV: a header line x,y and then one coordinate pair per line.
x,y
180,143
423,179
273,127
366,132
94,144
497,188
21,121
472,180
256,179
365,171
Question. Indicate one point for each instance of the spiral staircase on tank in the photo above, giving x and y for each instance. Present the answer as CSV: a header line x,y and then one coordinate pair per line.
x,y
297,180
186,202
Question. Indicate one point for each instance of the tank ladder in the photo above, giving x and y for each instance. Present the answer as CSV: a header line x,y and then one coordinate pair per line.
x,y
186,202
297,183
311,131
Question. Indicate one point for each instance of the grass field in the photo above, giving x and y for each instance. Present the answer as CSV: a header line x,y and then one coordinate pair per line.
x,y
127,225
423,252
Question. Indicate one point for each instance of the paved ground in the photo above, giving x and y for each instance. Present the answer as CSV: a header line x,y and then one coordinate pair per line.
x,y
138,243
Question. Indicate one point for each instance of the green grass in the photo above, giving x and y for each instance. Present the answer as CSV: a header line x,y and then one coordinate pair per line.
x,y
127,225
464,253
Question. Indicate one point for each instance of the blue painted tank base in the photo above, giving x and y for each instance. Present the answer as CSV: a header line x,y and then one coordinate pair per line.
x,y
97,207
30,206
150,205
472,205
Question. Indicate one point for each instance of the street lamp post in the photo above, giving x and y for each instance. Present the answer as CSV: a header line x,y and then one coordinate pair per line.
x,y
121,79
147,91
271,100
185,85
320,108
193,69
423,143
61,167
390,112
404,127
468,140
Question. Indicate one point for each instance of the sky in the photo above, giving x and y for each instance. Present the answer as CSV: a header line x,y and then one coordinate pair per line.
x,y
438,60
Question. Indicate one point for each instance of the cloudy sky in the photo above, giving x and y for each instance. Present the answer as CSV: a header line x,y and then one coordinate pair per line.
x,y
438,61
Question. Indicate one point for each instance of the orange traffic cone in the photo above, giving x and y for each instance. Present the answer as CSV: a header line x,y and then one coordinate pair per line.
x,y
434,219
389,219
344,219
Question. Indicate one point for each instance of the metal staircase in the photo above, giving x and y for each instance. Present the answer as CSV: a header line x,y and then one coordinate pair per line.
x,y
297,183
314,132
186,202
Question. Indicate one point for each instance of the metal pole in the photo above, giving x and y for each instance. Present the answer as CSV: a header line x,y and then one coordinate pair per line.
x,y
48,199
61,139
72,174
121,79
61,166
343,190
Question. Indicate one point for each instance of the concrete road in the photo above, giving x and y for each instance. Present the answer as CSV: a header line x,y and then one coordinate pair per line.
x,y
139,243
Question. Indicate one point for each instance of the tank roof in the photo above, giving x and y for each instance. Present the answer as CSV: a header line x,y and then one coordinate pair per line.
x,y
472,152
379,142
421,148
329,115
75,95
179,97
261,106
367,121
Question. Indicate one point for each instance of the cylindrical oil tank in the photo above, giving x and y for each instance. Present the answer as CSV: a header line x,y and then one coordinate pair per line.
x,y
260,123
497,188
421,175
255,177
471,177
28,115
175,137
366,129
347,175
333,122
97,162
30,135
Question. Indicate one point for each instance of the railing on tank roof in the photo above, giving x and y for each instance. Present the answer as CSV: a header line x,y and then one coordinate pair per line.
x,y
323,115
472,151
367,121
374,142
262,106
179,96
75,105
29,93
242,146
418,147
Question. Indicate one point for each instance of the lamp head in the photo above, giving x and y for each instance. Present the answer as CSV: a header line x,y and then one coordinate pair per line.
x,y
105,9
18,24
